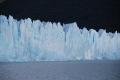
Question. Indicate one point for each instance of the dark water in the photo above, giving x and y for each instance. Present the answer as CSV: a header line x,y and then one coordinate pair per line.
x,y
70,70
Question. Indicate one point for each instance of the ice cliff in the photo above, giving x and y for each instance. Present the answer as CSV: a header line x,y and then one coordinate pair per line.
x,y
33,40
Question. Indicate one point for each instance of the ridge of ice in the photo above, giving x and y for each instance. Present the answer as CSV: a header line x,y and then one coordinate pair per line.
x,y
33,40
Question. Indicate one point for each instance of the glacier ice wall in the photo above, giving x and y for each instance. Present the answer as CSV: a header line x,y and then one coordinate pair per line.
x,y
33,40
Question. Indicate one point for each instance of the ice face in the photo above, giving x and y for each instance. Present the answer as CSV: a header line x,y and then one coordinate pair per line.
x,y
33,40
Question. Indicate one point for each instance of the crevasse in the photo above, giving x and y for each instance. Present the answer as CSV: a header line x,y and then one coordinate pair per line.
x,y
33,40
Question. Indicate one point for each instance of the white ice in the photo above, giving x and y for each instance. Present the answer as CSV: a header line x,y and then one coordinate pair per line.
x,y
33,40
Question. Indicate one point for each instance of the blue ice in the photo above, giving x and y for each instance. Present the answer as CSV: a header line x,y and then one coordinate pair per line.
x,y
33,40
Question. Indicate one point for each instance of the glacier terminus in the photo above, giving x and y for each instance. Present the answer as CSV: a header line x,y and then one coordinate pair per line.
x,y
34,40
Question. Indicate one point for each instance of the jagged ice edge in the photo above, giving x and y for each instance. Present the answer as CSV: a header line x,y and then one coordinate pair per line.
x,y
33,40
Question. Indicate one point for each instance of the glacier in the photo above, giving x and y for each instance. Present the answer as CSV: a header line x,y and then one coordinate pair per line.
x,y
35,40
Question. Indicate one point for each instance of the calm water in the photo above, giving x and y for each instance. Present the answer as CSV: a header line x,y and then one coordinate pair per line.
x,y
68,70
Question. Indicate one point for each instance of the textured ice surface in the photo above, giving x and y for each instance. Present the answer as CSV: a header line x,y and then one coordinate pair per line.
x,y
33,40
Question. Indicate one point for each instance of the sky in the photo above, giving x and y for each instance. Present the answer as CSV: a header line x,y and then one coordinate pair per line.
x,y
89,13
